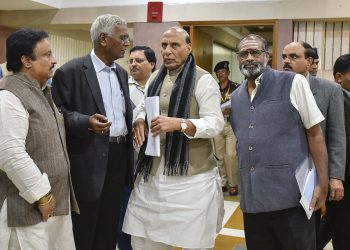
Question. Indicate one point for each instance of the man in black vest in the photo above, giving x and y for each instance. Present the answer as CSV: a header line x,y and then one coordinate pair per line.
x,y
276,121
92,93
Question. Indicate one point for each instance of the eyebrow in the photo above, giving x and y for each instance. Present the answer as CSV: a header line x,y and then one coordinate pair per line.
x,y
291,54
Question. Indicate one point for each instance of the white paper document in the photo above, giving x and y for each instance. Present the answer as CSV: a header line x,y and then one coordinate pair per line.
x,y
226,105
152,110
307,180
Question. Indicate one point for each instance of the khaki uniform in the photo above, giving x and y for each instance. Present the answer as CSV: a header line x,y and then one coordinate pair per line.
x,y
225,145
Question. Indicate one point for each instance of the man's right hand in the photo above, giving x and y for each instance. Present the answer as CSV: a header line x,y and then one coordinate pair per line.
x,y
319,197
140,132
99,124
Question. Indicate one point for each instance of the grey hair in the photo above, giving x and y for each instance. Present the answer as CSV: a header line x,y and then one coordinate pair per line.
x,y
263,41
104,24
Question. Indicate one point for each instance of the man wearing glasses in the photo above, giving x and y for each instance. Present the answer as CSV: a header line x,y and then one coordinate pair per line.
x,y
93,95
276,121
142,62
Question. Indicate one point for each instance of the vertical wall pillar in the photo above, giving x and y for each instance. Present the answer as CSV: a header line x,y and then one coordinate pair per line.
x,y
4,33
150,34
283,34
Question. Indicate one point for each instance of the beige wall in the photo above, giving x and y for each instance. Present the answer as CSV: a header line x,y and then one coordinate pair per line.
x,y
4,33
243,10
150,34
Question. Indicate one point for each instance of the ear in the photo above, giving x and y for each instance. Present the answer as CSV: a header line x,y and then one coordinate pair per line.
x,y
152,64
102,39
189,47
338,77
309,60
26,62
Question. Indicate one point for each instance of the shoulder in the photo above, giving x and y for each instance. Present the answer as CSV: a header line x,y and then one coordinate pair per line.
x,y
201,71
121,69
76,63
326,83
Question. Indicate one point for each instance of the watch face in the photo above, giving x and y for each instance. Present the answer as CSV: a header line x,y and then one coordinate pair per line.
x,y
183,126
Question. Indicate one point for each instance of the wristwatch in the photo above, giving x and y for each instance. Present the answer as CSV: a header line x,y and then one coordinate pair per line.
x,y
183,126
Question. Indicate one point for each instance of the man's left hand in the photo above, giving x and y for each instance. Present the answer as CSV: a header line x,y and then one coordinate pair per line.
x,y
226,112
164,124
336,190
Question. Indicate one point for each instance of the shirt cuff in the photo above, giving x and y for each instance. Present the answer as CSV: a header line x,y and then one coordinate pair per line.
x,y
200,129
141,115
38,190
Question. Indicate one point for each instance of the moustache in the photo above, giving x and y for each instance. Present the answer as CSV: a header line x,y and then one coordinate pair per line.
x,y
287,66
250,64
52,67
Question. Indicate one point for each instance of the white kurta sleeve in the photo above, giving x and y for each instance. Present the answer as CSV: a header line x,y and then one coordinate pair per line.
x,y
211,121
303,100
14,160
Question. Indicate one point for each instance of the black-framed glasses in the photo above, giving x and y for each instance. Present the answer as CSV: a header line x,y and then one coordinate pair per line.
x,y
253,52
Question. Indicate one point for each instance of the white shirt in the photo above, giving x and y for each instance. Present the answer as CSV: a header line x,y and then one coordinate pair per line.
x,y
137,93
182,211
14,160
302,100
112,95
210,122
31,183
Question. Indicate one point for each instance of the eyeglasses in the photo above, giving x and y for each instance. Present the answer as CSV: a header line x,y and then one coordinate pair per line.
x,y
254,53
136,60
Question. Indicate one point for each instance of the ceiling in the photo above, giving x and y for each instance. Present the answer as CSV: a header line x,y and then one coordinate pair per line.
x,y
61,4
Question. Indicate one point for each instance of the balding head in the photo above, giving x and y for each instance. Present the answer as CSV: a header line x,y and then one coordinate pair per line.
x,y
296,59
176,47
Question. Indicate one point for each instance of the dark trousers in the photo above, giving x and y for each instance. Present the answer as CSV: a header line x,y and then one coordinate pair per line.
x,y
337,222
96,228
287,229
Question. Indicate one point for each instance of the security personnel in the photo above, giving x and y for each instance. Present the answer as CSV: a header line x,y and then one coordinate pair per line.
x,y
225,142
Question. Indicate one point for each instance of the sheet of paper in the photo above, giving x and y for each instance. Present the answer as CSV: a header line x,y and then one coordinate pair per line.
x,y
307,180
226,105
152,110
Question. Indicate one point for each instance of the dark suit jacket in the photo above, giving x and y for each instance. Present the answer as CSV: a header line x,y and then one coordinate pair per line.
x,y
329,99
347,128
76,92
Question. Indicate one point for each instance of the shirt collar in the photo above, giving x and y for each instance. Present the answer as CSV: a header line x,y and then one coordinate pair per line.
x,y
347,92
98,64
132,81
257,80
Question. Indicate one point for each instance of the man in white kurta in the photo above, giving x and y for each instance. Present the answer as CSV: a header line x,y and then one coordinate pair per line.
x,y
34,206
170,207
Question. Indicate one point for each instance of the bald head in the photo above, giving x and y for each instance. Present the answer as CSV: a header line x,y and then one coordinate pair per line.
x,y
179,31
176,47
296,59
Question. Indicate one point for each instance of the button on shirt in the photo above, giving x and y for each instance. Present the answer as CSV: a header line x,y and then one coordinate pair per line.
x,y
112,95
137,93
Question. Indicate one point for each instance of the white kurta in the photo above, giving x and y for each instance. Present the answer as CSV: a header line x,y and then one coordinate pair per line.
x,y
184,211
56,233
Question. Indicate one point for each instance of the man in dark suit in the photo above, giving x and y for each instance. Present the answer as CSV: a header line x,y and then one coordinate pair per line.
x,y
92,93
297,57
338,217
